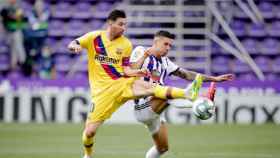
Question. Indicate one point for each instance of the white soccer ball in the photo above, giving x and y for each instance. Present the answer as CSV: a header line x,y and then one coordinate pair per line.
x,y
203,108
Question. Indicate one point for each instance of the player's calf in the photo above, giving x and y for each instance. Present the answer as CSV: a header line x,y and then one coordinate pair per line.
x,y
191,92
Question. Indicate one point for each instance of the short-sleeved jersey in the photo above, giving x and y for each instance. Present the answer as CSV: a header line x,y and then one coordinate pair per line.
x,y
105,59
159,67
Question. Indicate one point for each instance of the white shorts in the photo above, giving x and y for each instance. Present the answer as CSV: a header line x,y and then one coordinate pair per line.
x,y
147,116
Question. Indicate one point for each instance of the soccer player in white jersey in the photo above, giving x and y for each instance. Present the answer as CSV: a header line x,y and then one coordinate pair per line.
x,y
148,110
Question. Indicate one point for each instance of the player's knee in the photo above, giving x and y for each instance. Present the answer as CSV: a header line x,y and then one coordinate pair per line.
x,y
90,132
163,149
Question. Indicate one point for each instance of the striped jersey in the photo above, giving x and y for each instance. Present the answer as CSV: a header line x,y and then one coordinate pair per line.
x,y
159,68
106,59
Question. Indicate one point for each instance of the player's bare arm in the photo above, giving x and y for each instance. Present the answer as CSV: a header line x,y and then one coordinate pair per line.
x,y
190,75
130,72
75,46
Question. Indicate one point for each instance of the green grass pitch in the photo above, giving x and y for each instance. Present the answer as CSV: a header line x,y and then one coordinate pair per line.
x,y
132,141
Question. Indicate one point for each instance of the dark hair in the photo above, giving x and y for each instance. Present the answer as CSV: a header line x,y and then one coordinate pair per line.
x,y
163,33
115,14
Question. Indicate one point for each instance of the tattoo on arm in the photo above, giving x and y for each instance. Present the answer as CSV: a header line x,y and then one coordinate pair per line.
x,y
190,75
184,74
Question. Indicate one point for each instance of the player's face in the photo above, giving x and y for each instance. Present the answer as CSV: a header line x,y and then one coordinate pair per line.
x,y
164,44
118,27
12,1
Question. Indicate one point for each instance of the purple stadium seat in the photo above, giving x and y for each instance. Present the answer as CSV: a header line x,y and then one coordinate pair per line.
x,y
3,48
264,63
76,28
274,29
83,11
62,10
238,27
56,28
276,65
15,75
256,30
240,67
69,1
267,9
61,46
103,6
189,13
193,59
62,63
271,77
215,48
102,9
193,48
277,13
4,62
220,65
251,46
50,42
83,66
60,75
80,75
95,24
247,77
270,46
159,13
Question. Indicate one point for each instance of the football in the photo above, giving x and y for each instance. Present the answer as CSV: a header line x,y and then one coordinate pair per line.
x,y
203,108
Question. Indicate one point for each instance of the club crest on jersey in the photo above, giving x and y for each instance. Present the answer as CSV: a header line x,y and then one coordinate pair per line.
x,y
119,51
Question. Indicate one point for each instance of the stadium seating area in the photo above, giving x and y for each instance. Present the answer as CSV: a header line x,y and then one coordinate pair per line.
x,y
70,18
260,40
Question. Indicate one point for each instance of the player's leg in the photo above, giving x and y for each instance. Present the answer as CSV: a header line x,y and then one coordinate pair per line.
x,y
149,114
186,103
88,137
160,139
141,88
100,110
158,105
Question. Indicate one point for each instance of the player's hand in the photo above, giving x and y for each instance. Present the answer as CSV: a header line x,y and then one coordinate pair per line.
x,y
147,52
143,72
75,48
225,77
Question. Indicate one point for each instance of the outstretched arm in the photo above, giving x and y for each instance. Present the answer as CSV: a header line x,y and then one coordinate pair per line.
x,y
128,71
190,75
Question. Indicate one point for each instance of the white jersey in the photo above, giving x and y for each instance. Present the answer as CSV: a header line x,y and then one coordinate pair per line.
x,y
158,67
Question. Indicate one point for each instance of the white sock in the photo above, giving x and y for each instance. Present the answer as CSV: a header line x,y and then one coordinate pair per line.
x,y
180,103
153,153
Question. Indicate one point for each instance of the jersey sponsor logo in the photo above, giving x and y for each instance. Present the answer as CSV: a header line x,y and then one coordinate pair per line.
x,y
119,51
106,60
101,55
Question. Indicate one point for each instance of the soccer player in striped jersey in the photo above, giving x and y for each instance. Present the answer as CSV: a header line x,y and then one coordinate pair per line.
x,y
148,109
112,80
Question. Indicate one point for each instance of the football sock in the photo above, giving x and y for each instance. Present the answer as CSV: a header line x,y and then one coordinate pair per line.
x,y
88,145
165,92
153,153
